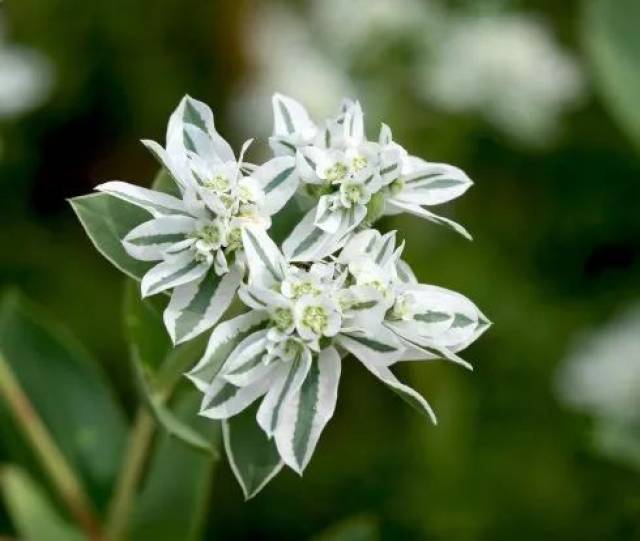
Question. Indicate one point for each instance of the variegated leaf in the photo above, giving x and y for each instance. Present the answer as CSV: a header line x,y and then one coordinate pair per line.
x,y
308,411
224,338
253,458
197,306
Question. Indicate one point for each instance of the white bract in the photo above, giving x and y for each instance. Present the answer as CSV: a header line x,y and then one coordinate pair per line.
x,y
196,234
353,179
305,318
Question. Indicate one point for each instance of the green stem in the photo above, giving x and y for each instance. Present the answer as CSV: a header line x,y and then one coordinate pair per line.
x,y
130,475
55,465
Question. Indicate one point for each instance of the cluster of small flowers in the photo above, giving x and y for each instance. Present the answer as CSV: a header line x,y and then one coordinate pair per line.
x,y
337,286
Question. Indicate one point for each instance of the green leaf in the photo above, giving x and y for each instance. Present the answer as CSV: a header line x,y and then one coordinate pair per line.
x,y
67,389
107,220
253,458
174,497
158,367
170,422
612,41
144,328
361,528
33,515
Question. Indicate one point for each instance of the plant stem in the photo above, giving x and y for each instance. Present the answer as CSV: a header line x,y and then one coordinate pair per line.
x,y
56,466
130,474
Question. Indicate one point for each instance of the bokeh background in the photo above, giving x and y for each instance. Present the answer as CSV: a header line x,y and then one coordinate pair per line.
x,y
536,99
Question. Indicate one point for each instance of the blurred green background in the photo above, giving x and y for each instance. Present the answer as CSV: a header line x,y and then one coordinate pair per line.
x,y
536,99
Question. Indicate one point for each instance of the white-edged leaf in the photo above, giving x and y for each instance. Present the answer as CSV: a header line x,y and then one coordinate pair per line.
x,y
308,242
308,411
416,210
149,240
443,318
173,272
424,348
197,306
290,117
253,458
433,184
265,262
246,349
409,395
156,203
279,180
378,347
107,220
223,399
405,272
175,166
286,381
223,340
190,114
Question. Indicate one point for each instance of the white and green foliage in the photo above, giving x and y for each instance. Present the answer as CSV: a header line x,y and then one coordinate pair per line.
x,y
335,289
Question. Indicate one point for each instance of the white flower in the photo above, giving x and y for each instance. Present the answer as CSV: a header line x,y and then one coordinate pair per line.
x,y
354,180
507,68
196,234
601,374
302,320
25,78
316,317
601,377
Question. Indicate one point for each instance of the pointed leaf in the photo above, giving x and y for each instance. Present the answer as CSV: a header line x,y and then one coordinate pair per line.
x,y
197,306
253,458
68,391
173,501
107,220
33,515
308,411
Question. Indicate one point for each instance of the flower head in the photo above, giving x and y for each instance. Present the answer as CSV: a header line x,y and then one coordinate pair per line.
x,y
195,234
305,319
355,180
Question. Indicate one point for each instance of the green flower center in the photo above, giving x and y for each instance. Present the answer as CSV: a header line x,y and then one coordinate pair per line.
x,y
234,239
315,318
282,318
336,172
211,234
396,186
219,183
245,194
304,288
227,200
359,162
354,192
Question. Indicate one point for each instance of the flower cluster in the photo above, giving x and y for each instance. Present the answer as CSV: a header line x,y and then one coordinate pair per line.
x,y
336,288
353,180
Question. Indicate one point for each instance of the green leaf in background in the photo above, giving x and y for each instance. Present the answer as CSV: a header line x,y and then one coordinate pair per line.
x,y
612,41
253,458
144,328
67,389
360,528
173,500
158,366
33,515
